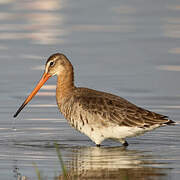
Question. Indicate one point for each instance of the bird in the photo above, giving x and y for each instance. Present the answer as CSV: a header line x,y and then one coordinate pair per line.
x,y
99,115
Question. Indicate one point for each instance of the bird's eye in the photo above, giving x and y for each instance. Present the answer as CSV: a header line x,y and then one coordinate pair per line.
x,y
52,63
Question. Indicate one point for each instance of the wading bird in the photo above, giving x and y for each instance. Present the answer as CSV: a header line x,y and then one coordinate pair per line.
x,y
99,115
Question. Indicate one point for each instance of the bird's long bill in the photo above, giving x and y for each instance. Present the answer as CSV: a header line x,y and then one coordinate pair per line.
x,y
44,78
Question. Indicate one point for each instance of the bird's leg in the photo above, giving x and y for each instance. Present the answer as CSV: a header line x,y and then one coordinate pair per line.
x,y
124,142
98,145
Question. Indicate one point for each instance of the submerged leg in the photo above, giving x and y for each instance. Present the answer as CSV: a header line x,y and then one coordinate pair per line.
x,y
124,142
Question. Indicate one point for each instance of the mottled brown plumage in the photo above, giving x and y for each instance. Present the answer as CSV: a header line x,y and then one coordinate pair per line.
x,y
109,108
97,114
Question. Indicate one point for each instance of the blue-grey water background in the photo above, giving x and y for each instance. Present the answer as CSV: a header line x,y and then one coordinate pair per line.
x,y
129,48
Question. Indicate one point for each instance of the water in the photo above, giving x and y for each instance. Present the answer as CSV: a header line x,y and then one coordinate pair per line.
x,y
130,48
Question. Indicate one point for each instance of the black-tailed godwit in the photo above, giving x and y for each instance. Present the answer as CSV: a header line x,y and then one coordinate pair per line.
x,y
99,115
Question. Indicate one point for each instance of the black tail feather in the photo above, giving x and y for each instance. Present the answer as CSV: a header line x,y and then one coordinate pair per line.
x,y
170,122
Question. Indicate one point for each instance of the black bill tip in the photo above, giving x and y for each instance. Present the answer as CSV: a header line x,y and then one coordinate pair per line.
x,y
19,110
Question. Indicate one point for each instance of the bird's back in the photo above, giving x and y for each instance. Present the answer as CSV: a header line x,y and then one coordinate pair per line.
x,y
104,108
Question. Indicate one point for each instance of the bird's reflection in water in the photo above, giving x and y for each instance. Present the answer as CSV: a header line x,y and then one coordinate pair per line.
x,y
113,163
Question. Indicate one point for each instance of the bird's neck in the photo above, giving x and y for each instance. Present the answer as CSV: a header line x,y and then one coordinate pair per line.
x,y
65,85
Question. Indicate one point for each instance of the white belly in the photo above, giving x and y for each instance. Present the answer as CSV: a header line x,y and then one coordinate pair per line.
x,y
98,134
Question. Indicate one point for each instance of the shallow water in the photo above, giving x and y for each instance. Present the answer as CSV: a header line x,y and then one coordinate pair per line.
x,y
127,48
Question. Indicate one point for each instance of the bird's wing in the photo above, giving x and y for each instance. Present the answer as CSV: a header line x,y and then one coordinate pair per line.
x,y
109,108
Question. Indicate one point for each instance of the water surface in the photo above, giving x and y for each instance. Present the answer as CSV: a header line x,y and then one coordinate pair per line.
x,y
127,48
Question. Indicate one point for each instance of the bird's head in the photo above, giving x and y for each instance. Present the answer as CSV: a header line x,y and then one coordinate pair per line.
x,y
57,64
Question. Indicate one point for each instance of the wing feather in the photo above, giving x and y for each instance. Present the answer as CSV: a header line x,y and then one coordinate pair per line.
x,y
109,108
